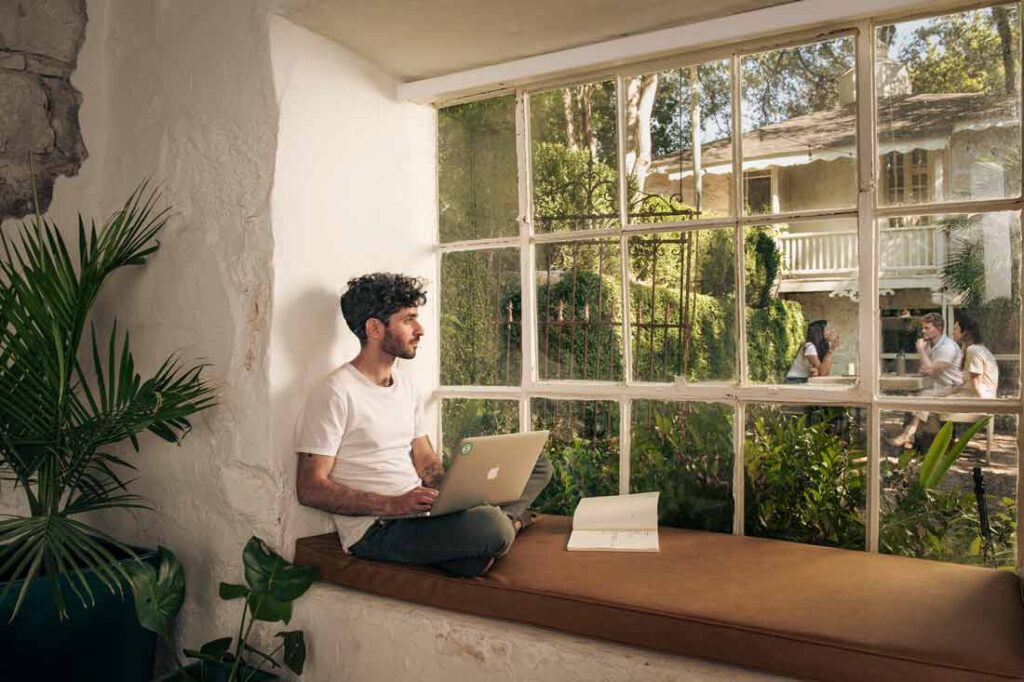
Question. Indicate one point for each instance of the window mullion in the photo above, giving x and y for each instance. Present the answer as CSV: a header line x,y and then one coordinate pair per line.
x,y
737,209
527,282
625,442
739,415
1020,351
625,405
739,467
627,344
869,332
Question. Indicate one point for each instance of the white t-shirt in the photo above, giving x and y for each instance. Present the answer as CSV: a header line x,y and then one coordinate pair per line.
x,y
946,350
801,368
369,430
979,360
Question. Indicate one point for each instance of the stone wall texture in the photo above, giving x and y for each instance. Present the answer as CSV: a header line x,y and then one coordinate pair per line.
x,y
39,129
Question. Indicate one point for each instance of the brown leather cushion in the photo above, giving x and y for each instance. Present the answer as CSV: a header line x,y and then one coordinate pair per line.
x,y
784,607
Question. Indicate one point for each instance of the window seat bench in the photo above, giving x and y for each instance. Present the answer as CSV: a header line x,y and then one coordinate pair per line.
x,y
800,610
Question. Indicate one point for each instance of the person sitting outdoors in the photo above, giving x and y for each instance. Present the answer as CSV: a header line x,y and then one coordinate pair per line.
x,y
940,358
980,371
814,357
364,452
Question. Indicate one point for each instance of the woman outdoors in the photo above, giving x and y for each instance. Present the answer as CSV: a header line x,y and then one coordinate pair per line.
x,y
981,373
814,359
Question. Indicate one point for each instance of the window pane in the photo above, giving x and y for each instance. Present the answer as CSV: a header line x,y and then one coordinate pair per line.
x,y
574,136
685,451
805,474
464,417
801,300
477,170
668,115
799,128
682,303
934,272
579,304
480,318
584,449
948,95
963,510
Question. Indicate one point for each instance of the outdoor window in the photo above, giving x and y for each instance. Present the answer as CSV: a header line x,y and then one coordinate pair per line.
x,y
762,283
679,143
757,188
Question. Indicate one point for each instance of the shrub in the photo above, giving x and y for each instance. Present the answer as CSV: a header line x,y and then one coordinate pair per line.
x,y
805,476
685,451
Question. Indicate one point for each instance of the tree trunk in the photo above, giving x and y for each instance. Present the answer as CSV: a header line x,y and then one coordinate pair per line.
x,y
587,128
1002,18
645,107
570,119
698,180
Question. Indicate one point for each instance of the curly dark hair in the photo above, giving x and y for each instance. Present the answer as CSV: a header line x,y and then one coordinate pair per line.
x,y
379,295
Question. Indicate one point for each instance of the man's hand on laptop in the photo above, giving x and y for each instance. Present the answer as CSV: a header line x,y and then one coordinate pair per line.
x,y
419,499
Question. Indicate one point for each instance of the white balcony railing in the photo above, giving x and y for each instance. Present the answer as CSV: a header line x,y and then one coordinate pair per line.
x,y
911,250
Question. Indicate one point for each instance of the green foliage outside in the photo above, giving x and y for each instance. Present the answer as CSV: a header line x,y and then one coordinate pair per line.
x,y
783,84
572,190
685,451
478,190
942,523
964,52
805,478
927,514
464,417
774,335
583,448
671,122
474,307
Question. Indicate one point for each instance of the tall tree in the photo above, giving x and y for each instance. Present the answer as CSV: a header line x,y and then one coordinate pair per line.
x,y
785,83
976,51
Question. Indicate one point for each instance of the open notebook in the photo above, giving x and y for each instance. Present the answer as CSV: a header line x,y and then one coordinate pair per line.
x,y
617,523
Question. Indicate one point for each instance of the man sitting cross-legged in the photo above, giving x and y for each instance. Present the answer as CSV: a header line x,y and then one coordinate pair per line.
x,y
364,452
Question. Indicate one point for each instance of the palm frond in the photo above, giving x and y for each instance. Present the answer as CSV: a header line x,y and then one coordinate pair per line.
x,y
62,405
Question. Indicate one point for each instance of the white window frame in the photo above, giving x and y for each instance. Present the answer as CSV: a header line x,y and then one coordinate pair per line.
x,y
864,393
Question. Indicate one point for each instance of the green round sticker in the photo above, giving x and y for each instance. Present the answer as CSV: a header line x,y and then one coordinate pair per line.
x,y
466,447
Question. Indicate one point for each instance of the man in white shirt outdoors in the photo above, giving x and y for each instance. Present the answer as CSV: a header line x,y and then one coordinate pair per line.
x,y
940,359
364,452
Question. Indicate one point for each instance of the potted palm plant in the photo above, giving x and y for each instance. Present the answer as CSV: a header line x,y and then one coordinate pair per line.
x,y
68,403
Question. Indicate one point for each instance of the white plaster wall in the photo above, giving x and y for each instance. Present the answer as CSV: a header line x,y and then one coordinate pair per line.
x,y
354,192
182,92
359,637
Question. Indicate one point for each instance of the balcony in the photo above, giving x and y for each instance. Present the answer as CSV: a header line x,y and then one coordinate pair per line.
x,y
817,261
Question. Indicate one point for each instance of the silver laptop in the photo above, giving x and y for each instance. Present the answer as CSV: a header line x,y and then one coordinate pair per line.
x,y
486,470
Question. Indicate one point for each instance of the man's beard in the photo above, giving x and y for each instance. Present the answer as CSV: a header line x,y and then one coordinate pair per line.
x,y
389,345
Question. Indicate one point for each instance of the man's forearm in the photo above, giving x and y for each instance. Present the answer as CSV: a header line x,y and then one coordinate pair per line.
x,y
335,498
432,474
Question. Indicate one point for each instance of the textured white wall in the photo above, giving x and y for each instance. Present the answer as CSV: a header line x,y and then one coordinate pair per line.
x,y
182,92
360,637
354,192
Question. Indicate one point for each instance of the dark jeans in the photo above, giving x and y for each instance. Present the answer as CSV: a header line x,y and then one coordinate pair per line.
x,y
462,543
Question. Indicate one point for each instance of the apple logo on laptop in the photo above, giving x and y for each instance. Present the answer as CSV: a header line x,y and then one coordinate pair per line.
x,y
492,474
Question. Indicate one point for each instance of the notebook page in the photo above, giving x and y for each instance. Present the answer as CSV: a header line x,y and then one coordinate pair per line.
x,y
638,511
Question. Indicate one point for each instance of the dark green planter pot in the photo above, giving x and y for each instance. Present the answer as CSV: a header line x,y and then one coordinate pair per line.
x,y
101,643
215,672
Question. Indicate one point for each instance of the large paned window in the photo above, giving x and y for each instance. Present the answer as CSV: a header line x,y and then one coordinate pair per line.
x,y
779,283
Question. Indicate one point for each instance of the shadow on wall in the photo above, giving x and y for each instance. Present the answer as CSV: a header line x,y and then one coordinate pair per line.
x,y
313,341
